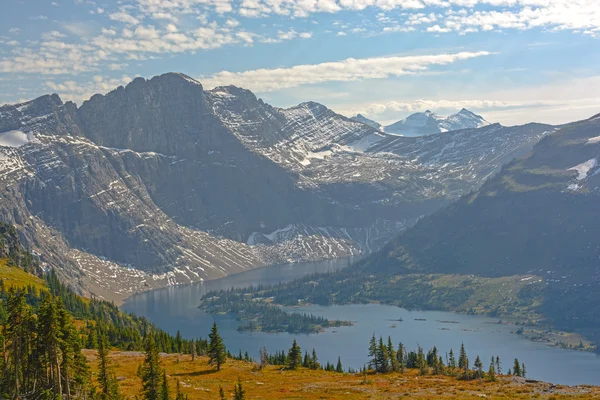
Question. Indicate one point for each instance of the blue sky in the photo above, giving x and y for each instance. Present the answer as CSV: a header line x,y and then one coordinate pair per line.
x,y
513,61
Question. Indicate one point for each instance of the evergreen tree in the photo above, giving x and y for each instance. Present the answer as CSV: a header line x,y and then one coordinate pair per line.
x,y
294,356
451,360
373,353
178,343
478,367
164,388
216,352
523,371
238,391
421,361
221,393
393,361
339,367
150,371
463,360
400,355
314,361
382,359
109,388
179,395
517,368
193,349
492,370
498,366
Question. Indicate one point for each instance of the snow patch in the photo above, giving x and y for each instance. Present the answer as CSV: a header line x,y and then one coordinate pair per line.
x,y
593,140
584,168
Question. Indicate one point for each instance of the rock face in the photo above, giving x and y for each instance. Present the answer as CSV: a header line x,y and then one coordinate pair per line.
x,y
428,123
162,182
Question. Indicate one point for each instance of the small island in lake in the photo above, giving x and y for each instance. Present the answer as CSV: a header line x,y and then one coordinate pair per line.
x,y
259,314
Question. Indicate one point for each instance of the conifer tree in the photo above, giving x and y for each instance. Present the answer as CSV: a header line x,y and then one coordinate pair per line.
x,y
238,391
393,362
306,361
294,356
109,388
400,355
164,388
216,349
498,366
463,360
451,360
492,370
421,361
373,349
517,368
178,343
193,349
523,370
339,367
478,367
314,361
179,395
150,371
221,393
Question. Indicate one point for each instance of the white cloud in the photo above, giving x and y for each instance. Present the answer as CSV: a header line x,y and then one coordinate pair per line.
x,y
124,17
265,80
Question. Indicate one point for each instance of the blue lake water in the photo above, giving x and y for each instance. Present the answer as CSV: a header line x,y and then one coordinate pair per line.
x,y
176,308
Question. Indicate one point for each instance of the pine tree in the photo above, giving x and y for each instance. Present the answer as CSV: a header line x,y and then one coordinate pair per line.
x,y
478,367
517,368
492,370
314,360
400,354
451,360
463,360
393,361
178,343
421,361
306,361
238,391
164,388
339,367
109,388
150,371
294,356
498,366
193,349
373,353
50,337
221,393
216,351
523,370
179,395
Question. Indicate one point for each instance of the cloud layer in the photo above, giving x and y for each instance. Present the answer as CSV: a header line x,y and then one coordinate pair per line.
x,y
351,69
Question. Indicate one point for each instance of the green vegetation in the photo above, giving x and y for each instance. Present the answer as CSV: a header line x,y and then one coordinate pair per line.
x,y
258,314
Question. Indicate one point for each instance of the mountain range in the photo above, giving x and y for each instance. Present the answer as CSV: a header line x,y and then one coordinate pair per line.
x,y
428,123
162,182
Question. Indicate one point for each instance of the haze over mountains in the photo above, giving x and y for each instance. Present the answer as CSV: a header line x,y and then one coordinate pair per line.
x,y
162,182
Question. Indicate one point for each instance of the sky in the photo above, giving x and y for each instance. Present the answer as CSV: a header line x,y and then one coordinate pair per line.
x,y
512,61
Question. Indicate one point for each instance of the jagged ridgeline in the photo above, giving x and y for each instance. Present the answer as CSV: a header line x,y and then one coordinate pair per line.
x,y
163,182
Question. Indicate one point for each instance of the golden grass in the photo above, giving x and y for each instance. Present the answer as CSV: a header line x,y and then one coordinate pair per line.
x,y
16,277
198,381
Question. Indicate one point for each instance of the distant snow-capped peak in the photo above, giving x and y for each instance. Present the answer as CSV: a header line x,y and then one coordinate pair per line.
x,y
427,123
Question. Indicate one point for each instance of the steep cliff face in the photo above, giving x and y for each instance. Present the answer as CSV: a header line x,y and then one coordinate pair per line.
x,y
161,182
